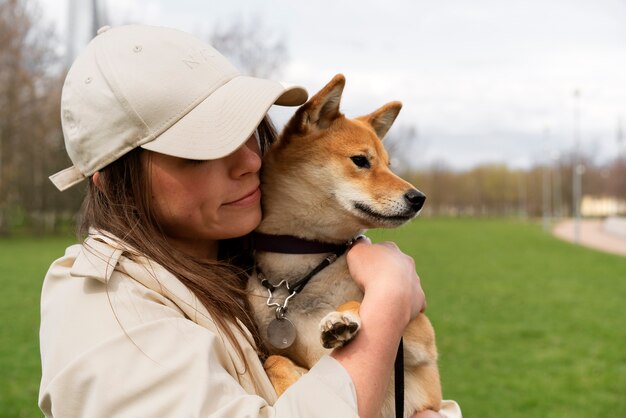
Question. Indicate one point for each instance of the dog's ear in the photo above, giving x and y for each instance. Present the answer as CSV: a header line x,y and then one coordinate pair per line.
x,y
382,119
322,109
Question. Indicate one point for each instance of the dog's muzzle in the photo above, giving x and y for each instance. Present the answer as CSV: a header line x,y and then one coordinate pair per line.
x,y
415,199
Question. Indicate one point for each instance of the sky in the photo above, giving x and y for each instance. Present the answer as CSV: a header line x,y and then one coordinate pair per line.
x,y
482,81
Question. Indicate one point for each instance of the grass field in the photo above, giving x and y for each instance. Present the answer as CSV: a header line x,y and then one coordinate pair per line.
x,y
23,264
527,326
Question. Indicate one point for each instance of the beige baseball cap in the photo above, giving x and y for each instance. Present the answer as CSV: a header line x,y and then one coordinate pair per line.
x,y
163,90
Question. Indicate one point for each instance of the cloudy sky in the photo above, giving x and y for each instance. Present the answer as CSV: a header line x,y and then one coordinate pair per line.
x,y
483,81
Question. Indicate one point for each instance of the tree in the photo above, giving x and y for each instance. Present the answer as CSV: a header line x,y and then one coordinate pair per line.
x,y
401,143
251,47
30,134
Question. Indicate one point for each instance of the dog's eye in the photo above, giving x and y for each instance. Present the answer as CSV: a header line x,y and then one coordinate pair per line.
x,y
360,161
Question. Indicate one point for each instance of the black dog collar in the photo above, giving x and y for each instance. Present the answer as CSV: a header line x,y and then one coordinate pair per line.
x,y
288,244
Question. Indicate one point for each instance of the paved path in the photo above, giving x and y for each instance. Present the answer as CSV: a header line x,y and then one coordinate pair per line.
x,y
593,235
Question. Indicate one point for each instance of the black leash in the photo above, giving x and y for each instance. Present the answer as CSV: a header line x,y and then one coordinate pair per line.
x,y
299,285
398,376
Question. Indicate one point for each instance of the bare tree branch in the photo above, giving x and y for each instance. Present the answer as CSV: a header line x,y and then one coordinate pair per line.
x,y
251,47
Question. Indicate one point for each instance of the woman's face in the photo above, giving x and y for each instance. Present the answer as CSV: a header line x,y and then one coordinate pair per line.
x,y
201,202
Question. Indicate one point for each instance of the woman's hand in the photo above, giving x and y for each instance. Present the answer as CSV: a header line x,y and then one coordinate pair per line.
x,y
392,297
387,276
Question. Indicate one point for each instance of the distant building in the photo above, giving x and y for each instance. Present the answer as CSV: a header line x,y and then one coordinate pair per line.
x,y
601,206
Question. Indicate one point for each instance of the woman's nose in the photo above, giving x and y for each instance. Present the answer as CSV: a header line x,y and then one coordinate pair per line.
x,y
247,158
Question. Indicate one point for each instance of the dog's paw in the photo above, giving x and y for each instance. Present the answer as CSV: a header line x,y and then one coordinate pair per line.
x,y
282,372
337,328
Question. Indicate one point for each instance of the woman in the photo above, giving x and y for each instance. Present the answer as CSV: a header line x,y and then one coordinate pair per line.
x,y
148,316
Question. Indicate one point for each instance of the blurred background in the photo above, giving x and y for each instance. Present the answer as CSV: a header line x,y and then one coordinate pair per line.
x,y
510,108
514,125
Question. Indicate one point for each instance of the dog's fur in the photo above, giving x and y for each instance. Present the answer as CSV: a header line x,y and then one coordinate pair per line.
x,y
313,188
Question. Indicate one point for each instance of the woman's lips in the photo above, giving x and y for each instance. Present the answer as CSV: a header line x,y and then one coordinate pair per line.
x,y
251,198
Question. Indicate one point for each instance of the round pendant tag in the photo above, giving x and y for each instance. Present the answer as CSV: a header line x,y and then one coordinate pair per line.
x,y
281,333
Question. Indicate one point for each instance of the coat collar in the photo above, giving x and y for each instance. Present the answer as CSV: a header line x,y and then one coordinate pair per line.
x,y
98,257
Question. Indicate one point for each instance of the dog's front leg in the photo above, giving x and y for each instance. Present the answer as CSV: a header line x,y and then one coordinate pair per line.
x,y
339,327
282,372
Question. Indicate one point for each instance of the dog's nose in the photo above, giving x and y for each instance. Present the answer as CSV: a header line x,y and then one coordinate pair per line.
x,y
415,198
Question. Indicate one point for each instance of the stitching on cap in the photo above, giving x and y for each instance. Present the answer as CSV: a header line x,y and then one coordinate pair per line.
x,y
113,86
190,106
233,73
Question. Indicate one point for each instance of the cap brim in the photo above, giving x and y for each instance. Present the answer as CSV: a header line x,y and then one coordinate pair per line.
x,y
225,119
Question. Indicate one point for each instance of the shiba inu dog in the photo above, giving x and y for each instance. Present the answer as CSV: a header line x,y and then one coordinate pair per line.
x,y
325,181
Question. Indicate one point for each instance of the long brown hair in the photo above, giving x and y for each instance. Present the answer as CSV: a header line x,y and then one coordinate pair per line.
x,y
120,206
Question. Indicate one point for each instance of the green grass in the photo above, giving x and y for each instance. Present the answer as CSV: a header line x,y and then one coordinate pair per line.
x,y
23,264
527,325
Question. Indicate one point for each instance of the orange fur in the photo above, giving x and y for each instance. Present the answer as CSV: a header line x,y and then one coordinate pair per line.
x,y
282,372
314,188
352,306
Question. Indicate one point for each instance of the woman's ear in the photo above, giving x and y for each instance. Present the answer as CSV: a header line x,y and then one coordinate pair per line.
x,y
96,180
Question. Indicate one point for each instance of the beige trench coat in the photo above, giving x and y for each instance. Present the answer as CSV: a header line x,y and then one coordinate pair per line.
x,y
117,342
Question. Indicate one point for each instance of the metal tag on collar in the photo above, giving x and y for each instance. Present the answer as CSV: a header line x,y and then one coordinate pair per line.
x,y
281,333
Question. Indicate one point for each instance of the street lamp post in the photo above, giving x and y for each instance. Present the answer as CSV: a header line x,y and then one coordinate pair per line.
x,y
546,185
577,169
556,187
